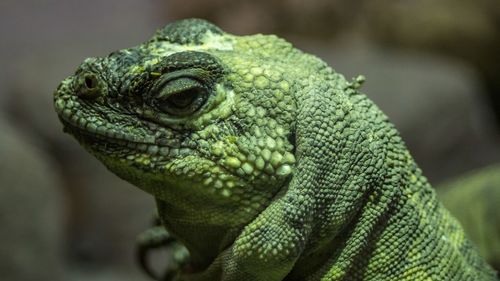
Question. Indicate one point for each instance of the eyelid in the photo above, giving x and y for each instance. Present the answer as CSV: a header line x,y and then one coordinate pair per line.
x,y
178,87
195,74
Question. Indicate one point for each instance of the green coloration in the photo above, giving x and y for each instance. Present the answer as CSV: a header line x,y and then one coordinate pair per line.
x,y
265,163
474,199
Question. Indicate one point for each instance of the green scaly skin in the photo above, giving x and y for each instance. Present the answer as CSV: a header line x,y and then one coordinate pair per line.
x,y
265,163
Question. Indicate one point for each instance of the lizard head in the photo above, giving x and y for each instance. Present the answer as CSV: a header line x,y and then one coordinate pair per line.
x,y
192,114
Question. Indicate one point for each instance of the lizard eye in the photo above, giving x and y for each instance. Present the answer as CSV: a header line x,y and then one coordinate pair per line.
x,y
181,97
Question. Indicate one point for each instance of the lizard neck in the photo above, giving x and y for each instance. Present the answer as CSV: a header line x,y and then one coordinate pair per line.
x,y
203,239
206,229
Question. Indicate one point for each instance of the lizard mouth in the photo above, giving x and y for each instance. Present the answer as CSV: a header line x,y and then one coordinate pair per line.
x,y
101,135
106,139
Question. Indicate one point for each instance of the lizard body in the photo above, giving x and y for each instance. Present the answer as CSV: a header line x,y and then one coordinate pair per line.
x,y
265,163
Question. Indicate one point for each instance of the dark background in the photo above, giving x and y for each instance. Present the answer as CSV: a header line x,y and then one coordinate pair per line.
x,y
432,66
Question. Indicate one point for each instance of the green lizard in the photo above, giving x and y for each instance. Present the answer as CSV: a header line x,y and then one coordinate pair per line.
x,y
265,163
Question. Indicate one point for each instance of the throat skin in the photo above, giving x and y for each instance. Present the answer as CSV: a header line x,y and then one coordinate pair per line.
x,y
180,224
185,216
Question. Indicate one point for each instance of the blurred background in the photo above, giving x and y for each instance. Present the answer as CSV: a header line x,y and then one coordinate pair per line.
x,y
432,66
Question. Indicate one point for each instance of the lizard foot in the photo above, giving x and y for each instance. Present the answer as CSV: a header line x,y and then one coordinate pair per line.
x,y
155,238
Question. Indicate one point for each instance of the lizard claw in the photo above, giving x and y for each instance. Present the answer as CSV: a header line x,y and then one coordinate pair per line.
x,y
155,238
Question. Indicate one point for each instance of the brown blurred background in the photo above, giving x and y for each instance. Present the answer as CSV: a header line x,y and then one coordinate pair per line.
x,y
432,66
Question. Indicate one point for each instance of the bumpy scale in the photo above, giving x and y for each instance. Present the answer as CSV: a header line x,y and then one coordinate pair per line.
x,y
265,163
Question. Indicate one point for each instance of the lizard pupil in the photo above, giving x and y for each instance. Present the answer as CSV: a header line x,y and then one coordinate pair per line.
x,y
90,81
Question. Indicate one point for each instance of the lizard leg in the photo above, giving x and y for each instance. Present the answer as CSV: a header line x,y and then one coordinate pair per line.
x,y
156,238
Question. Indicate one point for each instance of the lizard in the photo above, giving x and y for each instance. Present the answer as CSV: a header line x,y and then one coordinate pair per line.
x,y
265,163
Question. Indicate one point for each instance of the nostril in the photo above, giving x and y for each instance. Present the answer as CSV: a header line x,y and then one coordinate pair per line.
x,y
88,85
90,81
